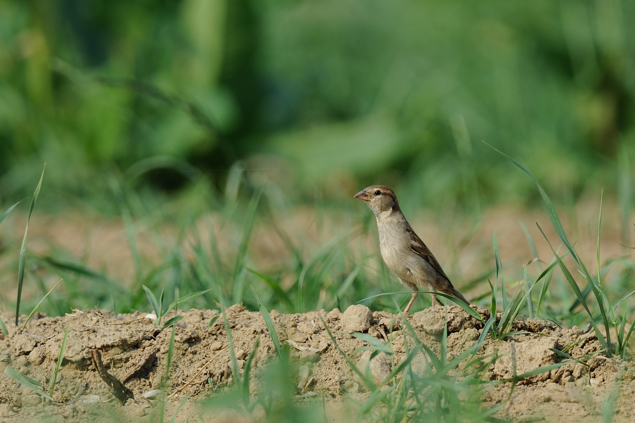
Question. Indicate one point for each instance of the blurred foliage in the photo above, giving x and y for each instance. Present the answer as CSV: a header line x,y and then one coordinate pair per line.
x,y
314,93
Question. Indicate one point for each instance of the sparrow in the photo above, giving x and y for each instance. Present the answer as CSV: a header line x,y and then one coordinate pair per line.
x,y
402,250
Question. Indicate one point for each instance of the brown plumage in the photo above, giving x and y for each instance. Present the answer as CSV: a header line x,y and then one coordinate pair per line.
x,y
402,250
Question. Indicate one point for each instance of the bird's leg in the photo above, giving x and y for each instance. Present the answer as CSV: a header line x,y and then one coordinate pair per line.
x,y
412,300
434,300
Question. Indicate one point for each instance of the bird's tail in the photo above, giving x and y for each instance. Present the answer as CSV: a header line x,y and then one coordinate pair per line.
x,y
459,296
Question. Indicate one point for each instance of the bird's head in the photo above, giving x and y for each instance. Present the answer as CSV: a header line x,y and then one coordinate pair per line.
x,y
379,198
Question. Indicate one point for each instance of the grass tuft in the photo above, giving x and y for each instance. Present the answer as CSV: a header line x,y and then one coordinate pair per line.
x,y
606,312
159,311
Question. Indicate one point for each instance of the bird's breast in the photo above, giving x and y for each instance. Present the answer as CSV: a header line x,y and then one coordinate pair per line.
x,y
398,258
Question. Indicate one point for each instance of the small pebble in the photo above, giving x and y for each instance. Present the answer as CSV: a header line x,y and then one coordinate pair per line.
x,y
90,399
303,371
152,394
356,318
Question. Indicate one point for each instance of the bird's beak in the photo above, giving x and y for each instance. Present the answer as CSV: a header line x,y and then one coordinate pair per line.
x,y
362,195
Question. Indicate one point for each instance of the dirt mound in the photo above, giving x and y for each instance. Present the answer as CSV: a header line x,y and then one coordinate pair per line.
x,y
134,352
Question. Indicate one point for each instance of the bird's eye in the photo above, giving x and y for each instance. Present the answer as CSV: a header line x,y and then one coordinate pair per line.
x,y
378,192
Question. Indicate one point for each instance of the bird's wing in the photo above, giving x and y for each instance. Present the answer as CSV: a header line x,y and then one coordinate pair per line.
x,y
424,252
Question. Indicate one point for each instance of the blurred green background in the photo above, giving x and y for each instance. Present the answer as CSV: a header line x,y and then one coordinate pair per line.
x,y
318,95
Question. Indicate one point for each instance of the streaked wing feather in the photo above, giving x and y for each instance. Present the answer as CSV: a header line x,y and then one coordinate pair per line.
x,y
424,252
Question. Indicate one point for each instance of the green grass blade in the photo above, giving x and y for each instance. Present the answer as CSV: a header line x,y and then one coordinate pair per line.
x,y
625,192
620,327
377,344
275,285
313,289
22,256
486,329
181,404
551,210
370,384
579,295
60,358
545,285
270,326
625,339
469,310
348,281
532,245
436,363
585,293
238,286
499,267
300,284
272,216
551,267
374,400
567,356
185,299
384,294
535,372
168,365
510,313
465,354
322,256
601,299
232,353
434,360
528,287
212,321
247,375
234,179
24,380
623,299
153,301
166,376
597,248
38,305
82,271
244,243
126,215
477,280
7,211
493,309
171,321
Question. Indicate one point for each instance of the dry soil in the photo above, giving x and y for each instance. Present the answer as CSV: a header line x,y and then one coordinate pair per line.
x,y
134,352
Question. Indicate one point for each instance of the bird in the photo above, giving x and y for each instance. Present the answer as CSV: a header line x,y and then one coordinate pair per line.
x,y
401,248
